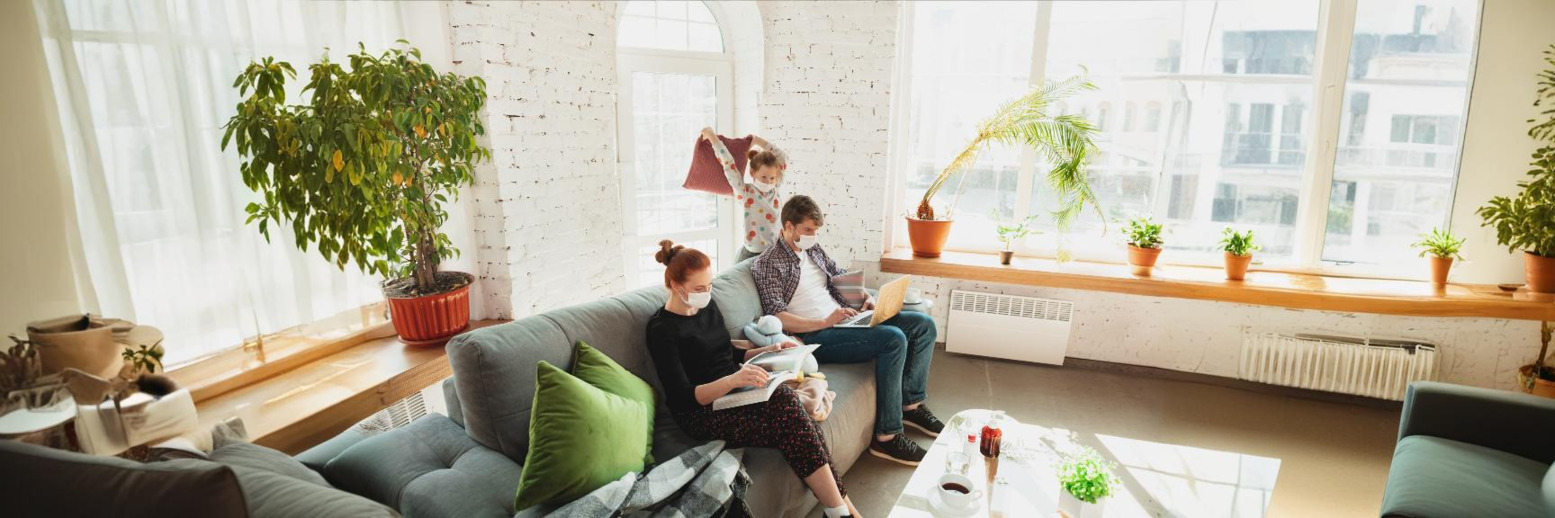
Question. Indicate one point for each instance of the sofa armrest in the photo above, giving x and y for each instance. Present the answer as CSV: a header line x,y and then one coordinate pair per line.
x,y
316,457
1508,421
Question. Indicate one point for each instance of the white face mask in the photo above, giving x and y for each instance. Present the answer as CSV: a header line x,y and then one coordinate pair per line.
x,y
763,186
806,242
698,300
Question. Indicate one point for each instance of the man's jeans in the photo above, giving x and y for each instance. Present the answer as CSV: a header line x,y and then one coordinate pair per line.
x,y
901,349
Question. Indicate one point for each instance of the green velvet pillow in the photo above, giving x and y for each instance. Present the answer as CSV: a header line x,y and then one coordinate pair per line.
x,y
580,438
592,366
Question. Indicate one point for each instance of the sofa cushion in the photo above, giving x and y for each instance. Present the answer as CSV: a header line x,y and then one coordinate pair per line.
x,y
259,457
274,495
54,482
428,468
1436,477
319,455
598,370
494,372
580,438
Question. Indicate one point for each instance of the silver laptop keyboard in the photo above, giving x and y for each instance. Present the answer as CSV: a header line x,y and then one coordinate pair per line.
x,y
861,318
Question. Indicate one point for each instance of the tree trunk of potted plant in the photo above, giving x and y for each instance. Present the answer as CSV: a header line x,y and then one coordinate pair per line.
x,y
1143,259
1535,378
363,169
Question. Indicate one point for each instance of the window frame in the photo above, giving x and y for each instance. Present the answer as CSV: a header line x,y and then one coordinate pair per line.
x,y
720,65
1325,115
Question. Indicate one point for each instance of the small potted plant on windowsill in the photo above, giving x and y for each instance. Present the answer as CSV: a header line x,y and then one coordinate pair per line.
x,y
1085,480
1144,244
1239,248
363,169
1442,247
1010,233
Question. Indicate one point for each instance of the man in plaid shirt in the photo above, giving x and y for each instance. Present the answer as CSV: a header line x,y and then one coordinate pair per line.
x,y
794,281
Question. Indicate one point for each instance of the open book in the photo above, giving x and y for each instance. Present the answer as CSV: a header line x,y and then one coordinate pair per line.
x,y
783,365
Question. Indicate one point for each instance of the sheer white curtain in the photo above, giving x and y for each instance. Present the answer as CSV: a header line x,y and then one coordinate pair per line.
x,y
144,88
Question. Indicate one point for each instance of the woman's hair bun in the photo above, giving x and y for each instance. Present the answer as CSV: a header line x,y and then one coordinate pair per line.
x,y
667,251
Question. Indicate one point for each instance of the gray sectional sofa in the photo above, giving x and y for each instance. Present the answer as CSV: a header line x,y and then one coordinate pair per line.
x,y
468,464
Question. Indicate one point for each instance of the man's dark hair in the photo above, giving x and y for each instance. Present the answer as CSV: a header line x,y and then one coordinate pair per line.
x,y
800,208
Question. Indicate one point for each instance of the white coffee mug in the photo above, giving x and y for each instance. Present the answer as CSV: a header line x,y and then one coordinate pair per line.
x,y
949,491
914,296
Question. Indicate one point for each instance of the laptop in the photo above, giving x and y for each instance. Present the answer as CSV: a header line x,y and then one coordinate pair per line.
x,y
887,304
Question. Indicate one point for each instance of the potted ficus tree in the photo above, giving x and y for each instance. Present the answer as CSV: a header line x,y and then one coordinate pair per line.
x,y
1526,221
1030,120
1442,247
1085,479
1144,244
1238,248
362,170
1009,233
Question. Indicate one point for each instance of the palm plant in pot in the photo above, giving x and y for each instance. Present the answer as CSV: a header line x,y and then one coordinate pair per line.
x,y
1238,248
1030,120
362,170
1010,233
1144,244
1085,479
1527,221
1442,247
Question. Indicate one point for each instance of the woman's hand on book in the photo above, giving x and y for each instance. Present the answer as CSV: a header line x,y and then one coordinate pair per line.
x,y
748,376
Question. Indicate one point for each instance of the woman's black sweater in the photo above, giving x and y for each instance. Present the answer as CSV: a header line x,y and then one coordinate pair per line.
x,y
690,351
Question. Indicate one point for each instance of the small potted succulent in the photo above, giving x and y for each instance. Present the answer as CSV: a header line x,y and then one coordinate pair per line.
x,y
1085,479
1010,233
1239,248
1442,247
1144,244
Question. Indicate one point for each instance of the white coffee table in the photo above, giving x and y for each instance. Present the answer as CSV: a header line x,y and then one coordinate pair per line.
x,y
1171,480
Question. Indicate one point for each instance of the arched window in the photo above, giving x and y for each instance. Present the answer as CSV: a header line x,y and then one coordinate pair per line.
x,y
675,79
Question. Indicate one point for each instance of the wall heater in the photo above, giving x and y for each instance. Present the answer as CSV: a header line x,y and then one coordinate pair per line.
x,y
1359,366
1008,326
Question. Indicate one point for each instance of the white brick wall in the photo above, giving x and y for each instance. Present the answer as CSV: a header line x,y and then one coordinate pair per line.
x,y
547,209
826,100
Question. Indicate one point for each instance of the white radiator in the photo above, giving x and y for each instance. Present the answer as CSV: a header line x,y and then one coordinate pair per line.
x,y
1371,368
1008,326
397,415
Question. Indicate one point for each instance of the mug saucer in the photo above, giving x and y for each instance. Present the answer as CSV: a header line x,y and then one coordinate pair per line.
x,y
943,508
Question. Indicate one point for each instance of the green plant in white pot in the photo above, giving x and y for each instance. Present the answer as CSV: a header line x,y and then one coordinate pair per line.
x,y
1085,480
362,170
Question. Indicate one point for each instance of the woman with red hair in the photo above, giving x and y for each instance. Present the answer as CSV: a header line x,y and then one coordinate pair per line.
x,y
697,363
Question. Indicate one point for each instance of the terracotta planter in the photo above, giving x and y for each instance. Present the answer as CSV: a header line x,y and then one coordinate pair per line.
x,y
1143,259
1236,266
1540,387
1440,267
1540,271
1005,256
430,320
927,236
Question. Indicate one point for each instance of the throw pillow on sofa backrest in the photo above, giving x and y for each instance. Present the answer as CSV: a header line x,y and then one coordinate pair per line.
x,y
39,481
580,438
603,373
707,173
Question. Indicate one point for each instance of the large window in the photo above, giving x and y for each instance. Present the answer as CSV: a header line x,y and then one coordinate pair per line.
x,y
1208,116
675,79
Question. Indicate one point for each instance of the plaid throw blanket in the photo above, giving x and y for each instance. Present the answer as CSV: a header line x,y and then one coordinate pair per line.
x,y
704,481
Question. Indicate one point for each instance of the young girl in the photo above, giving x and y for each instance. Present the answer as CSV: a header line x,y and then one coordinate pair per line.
x,y
759,200
697,364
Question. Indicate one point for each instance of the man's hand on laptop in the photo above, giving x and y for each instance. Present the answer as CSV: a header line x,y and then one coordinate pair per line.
x,y
840,314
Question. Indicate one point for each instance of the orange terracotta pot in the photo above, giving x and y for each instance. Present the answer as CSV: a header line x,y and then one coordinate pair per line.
x,y
1145,257
1538,387
1540,271
1236,266
1440,267
927,236
430,320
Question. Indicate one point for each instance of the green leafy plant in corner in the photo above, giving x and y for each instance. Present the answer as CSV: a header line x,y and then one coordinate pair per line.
x,y
1440,243
1238,243
146,358
1143,232
1527,221
1009,233
1087,476
1032,120
363,167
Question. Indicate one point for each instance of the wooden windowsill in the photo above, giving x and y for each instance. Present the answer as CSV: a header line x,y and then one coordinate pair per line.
x,y
1265,288
313,400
